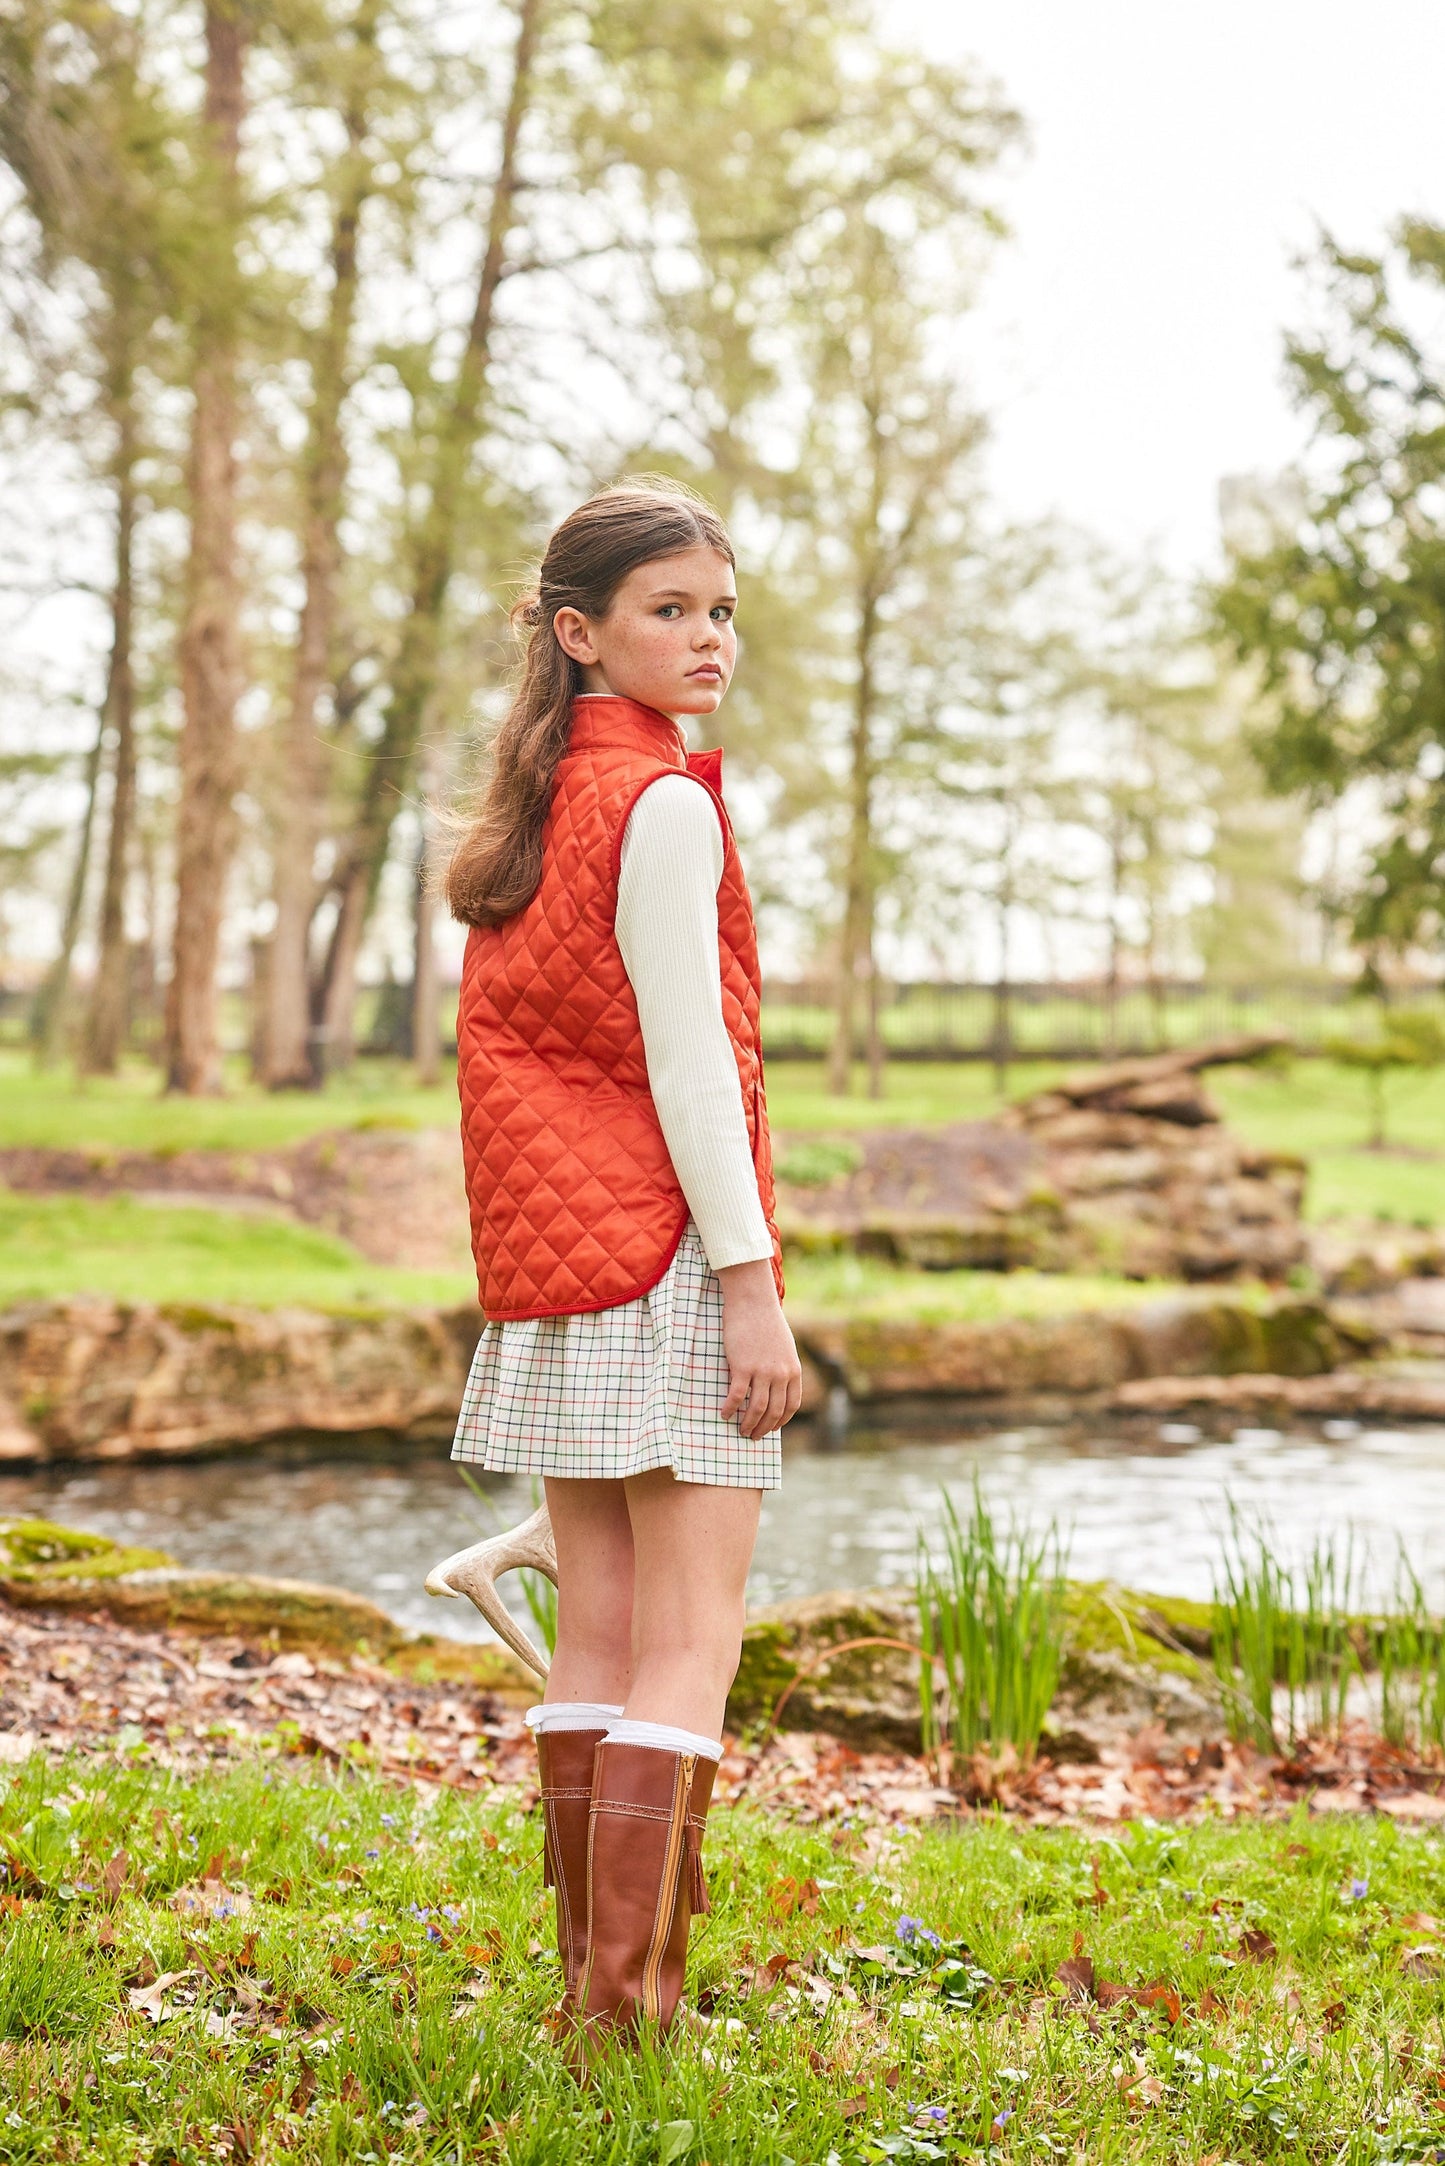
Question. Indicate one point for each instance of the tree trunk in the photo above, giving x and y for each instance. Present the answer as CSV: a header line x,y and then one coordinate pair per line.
x,y
1110,1046
110,995
210,640
414,678
291,1056
425,1032
47,1019
1001,1037
856,952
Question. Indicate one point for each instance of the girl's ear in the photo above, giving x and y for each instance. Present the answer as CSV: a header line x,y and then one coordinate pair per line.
x,y
573,634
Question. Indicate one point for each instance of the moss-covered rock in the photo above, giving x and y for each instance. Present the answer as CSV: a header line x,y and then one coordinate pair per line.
x,y
49,1567
1130,1660
1078,1351
32,1550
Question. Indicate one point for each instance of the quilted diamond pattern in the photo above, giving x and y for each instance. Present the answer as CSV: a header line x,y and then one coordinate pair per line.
x,y
574,1201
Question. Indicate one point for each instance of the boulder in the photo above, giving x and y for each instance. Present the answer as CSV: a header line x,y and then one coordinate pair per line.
x,y
1125,1168
848,1664
49,1567
1074,1353
95,1379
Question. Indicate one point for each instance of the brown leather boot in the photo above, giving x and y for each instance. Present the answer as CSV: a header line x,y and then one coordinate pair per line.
x,y
565,1758
644,1881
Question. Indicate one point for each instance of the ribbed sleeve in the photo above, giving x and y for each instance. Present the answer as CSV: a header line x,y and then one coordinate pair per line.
x,y
672,861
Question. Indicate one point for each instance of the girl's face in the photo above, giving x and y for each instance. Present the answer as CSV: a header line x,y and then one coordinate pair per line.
x,y
667,640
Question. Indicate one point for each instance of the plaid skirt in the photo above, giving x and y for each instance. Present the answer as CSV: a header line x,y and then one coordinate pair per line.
x,y
617,1392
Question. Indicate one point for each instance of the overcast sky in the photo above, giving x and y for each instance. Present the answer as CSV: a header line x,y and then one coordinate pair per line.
x,y
1181,156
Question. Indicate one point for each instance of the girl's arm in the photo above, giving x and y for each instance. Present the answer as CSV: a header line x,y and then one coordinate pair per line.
x,y
672,861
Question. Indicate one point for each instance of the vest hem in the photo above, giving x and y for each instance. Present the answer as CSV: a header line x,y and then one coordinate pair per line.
x,y
591,1308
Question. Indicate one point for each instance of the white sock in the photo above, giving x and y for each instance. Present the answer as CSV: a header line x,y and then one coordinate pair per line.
x,y
571,1715
663,1737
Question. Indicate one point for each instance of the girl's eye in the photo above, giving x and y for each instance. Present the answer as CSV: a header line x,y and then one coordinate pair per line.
x,y
670,609
723,613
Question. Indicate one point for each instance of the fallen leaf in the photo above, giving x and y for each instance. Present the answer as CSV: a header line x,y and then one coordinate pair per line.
x,y
789,1896
149,2000
849,2107
351,2090
114,1877
1162,1996
342,1966
1333,2015
1076,1975
1420,1921
1256,1945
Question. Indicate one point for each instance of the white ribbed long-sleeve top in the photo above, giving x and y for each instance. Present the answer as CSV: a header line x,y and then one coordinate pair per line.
x,y
672,862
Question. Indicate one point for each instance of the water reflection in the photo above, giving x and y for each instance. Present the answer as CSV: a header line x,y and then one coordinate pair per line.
x,y
1144,1506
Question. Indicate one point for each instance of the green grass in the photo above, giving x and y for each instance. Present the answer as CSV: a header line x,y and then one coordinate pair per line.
x,y
371,1985
105,1114
1320,1110
1315,1107
55,1245
52,1245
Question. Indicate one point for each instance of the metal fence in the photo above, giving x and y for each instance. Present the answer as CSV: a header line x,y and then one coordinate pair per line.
x,y
1083,1021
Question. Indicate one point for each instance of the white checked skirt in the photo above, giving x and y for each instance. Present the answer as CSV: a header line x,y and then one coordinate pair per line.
x,y
616,1392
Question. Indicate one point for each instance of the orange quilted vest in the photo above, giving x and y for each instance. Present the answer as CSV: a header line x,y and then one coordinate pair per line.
x,y
574,1201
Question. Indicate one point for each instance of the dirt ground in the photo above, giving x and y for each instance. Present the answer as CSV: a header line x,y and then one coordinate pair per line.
x,y
88,1685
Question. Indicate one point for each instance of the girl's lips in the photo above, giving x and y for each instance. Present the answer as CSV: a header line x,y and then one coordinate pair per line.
x,y
708,669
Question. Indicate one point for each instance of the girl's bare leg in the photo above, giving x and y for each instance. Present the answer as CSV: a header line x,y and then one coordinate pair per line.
x,y
692,1544
593,1656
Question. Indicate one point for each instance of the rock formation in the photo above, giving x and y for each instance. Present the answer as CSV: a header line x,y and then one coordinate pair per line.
x,y
1126,1168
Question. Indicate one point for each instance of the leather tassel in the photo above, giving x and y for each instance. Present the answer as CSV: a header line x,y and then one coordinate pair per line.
x,y
697,1878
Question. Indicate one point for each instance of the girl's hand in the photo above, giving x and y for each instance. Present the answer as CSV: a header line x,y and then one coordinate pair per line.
x,y
767,1376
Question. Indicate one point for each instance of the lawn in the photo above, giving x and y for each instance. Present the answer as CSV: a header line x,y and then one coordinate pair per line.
x,y
265,1963
56,1245
52,1245
1312,1106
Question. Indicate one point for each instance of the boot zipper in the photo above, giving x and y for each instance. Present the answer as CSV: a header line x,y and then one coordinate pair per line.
x,y
667,1894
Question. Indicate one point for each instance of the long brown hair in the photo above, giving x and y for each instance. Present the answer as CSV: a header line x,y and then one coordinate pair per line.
x,y
497,865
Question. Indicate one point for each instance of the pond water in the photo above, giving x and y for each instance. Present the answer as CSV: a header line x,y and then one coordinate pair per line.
x,y
1148,1507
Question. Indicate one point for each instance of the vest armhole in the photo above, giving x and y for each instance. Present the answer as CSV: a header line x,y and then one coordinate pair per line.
x,y
626,814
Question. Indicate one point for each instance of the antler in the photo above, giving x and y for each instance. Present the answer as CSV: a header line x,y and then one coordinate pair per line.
x,y
474,1573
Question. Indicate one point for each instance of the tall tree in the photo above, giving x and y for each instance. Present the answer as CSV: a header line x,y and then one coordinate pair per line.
x,y
210,654
289,1050
1340,609
90,143
434,545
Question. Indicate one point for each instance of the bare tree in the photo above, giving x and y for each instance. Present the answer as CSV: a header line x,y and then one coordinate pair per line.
x,y
210,639
392,763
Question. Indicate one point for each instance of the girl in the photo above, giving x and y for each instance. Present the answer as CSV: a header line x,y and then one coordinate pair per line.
x,y
620,1178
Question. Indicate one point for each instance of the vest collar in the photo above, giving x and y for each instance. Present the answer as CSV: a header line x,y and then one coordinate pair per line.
x,y
599,721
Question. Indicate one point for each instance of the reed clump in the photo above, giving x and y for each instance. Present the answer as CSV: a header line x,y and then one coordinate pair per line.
x,y
991,1613
1289,1641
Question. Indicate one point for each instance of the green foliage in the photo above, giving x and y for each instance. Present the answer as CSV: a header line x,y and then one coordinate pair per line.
x,y
1277,1626
1336,601
1410,1651
990,1609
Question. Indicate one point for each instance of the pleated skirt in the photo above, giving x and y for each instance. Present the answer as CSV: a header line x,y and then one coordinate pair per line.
x,y
618,1392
